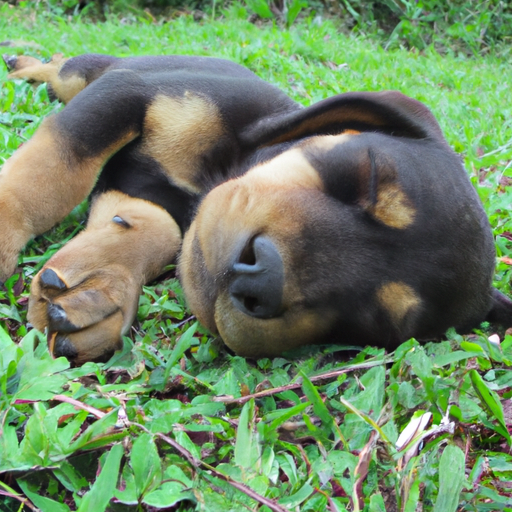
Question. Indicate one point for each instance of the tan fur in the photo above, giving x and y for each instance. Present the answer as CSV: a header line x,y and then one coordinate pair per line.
x,y
34,71
114,263
328,142
398,299
66,89
331,117
177,131
272,200
42,170
258,201
252,337
22,62
393,207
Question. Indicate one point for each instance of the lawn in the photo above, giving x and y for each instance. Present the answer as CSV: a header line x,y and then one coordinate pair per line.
x,y
174,422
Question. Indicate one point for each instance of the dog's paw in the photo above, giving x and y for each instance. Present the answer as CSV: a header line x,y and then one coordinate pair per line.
x,y
86,295
95,343
84,321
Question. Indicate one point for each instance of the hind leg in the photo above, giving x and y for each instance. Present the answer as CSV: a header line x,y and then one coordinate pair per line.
x,y
65,78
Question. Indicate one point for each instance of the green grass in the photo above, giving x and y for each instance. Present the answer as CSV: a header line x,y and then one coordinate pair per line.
x,y
174,420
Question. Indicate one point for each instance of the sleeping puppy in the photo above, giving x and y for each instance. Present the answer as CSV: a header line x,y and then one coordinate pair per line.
x,y
350,221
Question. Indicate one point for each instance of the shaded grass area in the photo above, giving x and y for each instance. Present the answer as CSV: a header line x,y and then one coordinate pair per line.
x,y
174,422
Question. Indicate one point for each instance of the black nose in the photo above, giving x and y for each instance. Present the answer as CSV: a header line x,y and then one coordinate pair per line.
x,y
257,285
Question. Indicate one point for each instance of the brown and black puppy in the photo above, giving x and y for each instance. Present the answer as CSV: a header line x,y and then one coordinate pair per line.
x,y
349,221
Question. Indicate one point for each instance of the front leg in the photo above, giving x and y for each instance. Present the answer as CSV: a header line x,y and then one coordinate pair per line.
x,y
87,294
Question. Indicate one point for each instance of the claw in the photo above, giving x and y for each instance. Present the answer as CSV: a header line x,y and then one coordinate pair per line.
x,y
10,61
58,319
50,279
63,347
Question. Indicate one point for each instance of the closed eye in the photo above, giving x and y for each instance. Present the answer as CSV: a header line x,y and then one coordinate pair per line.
x,y
121,222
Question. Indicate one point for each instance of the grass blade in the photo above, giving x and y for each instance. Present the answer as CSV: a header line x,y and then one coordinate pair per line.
x,y
491,402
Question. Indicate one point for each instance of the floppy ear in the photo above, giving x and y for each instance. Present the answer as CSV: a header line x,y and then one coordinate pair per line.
x,y
387,112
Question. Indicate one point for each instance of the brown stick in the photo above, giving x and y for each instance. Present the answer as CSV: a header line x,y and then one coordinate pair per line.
x,y
323,376
79,405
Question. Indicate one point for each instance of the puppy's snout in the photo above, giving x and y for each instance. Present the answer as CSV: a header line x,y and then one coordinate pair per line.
x,y
256,287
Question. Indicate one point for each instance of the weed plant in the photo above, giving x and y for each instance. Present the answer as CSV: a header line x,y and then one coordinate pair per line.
x,y
471,27
174,422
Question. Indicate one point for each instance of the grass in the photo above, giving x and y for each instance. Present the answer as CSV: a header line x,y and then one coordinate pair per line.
x,y
174,422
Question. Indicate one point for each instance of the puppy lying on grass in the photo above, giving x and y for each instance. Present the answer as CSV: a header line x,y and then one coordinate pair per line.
x,y
350,221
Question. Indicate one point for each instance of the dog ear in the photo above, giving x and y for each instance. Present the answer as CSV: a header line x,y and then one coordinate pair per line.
x,y
386,112
353,141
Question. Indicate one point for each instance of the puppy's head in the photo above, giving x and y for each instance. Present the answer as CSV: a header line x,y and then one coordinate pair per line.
x,y
343,237
251,258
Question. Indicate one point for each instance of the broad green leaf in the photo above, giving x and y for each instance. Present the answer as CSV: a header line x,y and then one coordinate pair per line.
x,y
478,469
422,367
184,440
288,465
41,502
128,495
67,433
100,433
175,488
294,10
69,477
185,341
413,496
277,418
491,402
500,462
228,384
260,7
454,357
371,399
146,464
268,464
319,408
35,445
364,417
5,340
451,479
297,498
468,346
167,495
102,491
10,456
40,376
377,503
247,447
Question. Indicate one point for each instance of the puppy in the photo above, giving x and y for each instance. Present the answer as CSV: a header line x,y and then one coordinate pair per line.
x,y
350,221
